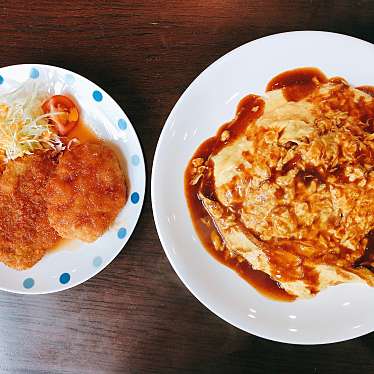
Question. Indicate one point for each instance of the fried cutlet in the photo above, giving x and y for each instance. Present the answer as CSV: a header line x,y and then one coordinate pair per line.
x,y
86,192
25,232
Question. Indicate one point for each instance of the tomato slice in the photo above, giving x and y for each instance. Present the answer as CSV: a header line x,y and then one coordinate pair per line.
x,y
68,117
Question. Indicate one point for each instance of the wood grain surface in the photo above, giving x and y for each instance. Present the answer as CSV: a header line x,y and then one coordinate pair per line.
x,y
136,316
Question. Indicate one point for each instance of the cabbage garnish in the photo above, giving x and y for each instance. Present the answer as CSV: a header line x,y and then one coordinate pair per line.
x,y
24,127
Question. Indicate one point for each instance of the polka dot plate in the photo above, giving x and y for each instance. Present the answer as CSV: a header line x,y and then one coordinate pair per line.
x,y
74,262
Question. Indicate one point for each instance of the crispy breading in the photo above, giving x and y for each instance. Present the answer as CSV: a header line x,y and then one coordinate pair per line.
x,y
25,232
86,192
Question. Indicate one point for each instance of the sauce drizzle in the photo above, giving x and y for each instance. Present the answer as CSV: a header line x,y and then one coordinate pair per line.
x,y
367,260
367,89
250,108
297,83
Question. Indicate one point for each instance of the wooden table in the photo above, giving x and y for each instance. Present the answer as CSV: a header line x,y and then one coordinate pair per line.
x,y
136,316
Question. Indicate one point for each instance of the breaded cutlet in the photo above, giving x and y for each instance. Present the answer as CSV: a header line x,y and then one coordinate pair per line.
x,y
86,192
25,232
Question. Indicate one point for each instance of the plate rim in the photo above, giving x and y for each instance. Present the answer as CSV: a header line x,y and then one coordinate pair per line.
x,y
142,189
154,203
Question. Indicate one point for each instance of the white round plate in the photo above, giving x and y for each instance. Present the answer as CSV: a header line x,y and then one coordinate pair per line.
x,y
75,261
336,314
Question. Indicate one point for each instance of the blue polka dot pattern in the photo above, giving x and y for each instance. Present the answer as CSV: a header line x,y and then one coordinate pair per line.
x,y
28,283
69,79
97,261
64,278
135,197
135,160
1,80
122,124
121,233
34,73
97,95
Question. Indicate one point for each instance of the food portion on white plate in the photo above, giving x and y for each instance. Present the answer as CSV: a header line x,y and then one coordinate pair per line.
x,y
72,179
287,186
58,181
280,196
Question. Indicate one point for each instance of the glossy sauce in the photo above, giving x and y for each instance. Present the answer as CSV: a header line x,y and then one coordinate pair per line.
x,y
249,109
297,83
83,133
261,281
367,89
368,115
367,260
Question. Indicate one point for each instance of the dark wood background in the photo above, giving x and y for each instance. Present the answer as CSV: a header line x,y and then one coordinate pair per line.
x,y
136,316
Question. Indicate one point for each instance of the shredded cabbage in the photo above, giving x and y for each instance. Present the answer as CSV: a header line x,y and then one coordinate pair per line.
x,y
24,127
